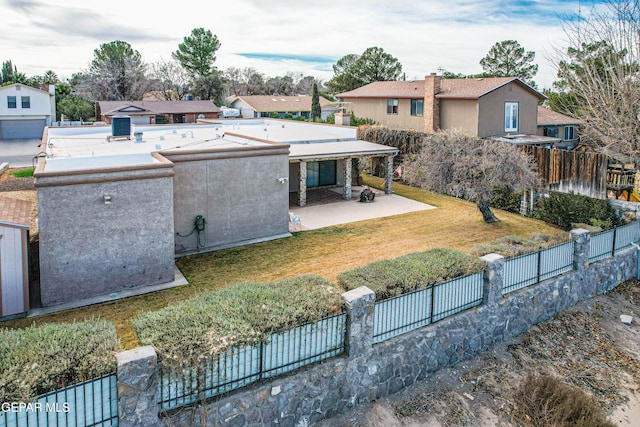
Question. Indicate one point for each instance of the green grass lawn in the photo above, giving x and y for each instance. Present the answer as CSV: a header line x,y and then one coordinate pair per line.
x,y
326,252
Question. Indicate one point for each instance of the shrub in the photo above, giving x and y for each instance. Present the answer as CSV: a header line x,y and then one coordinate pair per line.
x,y
245,313
512,246
288,116
44,358
544,401
564,209
274,115
407,273
503,198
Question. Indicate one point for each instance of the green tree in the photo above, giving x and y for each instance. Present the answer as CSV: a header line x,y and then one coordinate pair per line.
x,y
197,52
73,106
7,72
353,71
116,73
508,59
50,78
316,111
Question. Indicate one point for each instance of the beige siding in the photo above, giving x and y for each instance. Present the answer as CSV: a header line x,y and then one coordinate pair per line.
x,y
12,278
491,111
376,109
459,114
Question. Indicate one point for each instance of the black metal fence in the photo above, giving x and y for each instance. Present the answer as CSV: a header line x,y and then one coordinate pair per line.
x,y
403,313
92,403
534,267
608,243
284,352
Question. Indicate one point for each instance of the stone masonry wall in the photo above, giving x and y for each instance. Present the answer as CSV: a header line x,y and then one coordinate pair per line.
x,y
369,371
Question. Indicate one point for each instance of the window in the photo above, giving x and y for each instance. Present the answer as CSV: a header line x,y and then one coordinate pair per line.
x,y
26,101
11,102
392,106
511,117
551,132
416,107
568,133
321,173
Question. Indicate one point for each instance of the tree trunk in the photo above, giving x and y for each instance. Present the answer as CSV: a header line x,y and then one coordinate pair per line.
x,y
487,215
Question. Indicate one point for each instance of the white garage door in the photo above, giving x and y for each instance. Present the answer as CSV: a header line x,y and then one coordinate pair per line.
x,y
140,120
21,129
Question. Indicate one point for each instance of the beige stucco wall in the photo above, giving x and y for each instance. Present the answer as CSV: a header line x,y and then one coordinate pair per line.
x,y
491,111
376,109
459,114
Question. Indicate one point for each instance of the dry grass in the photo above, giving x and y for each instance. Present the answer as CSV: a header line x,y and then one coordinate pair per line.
x,y
326,252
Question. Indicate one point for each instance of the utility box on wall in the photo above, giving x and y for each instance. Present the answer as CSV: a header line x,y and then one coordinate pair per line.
x,y
15,220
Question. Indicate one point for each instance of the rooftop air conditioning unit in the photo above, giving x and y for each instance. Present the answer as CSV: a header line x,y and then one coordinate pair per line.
x,y
120,127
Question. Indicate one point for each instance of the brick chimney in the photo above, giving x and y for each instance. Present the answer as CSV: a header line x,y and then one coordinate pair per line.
x,y
431,110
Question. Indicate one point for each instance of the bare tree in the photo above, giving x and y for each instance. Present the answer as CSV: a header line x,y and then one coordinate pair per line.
x,y
599,79
451,162
171,78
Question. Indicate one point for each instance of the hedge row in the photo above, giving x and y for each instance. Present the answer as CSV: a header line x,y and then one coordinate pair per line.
x,y
40,359
407,273
245,313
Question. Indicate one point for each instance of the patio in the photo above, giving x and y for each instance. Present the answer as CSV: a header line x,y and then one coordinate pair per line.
x,y
326,207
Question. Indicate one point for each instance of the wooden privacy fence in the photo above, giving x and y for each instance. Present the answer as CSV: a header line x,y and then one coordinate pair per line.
x,y
578,171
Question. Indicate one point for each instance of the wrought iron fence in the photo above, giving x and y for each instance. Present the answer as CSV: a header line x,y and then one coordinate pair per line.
x,y
610,242
534,267
625,235
284,352
398,315
92,403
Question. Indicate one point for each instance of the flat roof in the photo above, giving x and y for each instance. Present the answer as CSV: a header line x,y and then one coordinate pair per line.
x,y
89,147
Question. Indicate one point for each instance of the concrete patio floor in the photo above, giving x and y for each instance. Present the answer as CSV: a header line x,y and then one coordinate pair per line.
x,y
343,211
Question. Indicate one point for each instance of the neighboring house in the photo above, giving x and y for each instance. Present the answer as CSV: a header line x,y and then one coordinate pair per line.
x,y
25,111
483,107
556,125
131,206
15,219
263,106
157,112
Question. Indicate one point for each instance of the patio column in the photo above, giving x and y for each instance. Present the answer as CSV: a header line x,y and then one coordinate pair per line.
x,y
388,176
346,190
302,185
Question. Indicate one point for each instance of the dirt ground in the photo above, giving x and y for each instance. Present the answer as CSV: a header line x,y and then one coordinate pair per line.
x,y
587,347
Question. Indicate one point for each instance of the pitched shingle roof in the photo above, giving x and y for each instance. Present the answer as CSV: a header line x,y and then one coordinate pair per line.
x,y
15,212
265,103
108,108
547,117
450,88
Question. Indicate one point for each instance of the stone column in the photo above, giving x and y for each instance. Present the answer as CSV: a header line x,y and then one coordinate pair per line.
x,y
346,190
493,279
388,176
138,387
581,246
302,185
360,309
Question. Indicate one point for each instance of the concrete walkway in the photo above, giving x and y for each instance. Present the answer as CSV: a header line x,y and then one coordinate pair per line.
x,y
19,153
346,211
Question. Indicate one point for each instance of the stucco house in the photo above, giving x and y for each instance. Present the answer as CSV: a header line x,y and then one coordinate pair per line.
x,y
157,112
556,125
263,106
132,205
483,107
25,111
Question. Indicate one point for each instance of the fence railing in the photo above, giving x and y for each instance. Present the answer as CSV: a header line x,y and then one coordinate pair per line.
x,y
403,313
534,267
611,242
89,403
284,352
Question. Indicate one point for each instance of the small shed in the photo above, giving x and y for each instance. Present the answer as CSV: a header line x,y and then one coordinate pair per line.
x,y
15,219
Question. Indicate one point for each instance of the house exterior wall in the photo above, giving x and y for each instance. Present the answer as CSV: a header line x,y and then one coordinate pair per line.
x,y
14,286
376,109
89,248
40,103
237,193
246,111
491,111
459,114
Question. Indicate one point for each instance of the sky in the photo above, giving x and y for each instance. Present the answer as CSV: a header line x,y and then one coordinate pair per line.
x,y
277,37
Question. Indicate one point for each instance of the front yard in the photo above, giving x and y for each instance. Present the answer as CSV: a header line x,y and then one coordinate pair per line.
x,y
325,252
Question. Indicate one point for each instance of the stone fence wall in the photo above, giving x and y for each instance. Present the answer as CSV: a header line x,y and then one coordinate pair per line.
x,y
368,372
